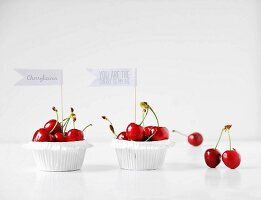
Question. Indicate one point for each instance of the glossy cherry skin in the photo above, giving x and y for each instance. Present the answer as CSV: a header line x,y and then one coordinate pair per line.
x,y
231,159
41,135
59,137
159,133
74,135
50,124
212,157
195,139
52,138
135,132
122,136
147,131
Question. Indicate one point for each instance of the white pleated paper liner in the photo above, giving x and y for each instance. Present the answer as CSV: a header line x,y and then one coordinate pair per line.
x,y
141,155
58,156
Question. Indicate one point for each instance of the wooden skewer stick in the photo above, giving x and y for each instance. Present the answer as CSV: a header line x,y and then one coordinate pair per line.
x,y
62,101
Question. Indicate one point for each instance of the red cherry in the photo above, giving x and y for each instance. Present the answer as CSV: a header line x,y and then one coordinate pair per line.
x,y
212,157
52,138
231,158
147,131
74,135
50,124
135,132
122,136
59,137
159,133
41,135
195,139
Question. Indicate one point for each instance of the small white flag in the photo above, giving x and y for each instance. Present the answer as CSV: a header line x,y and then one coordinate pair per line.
x,y
40,77
114,76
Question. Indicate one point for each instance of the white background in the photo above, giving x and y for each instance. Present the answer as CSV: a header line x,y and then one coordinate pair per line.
x,y
198,63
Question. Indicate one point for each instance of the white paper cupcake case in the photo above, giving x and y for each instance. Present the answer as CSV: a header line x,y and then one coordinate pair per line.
x,y
141,155
58,156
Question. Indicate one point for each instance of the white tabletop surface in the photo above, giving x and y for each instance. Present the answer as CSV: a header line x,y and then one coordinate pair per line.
x,y
183,176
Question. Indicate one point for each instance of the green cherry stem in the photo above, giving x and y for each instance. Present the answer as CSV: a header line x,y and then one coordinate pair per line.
x,y
151,136
155,115
66,124
86,127
219,138
144,116
175,131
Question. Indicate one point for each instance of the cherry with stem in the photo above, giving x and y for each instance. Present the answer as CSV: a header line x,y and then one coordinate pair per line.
x,y
57,118
53,125
231,157
154,133
147,107
195,139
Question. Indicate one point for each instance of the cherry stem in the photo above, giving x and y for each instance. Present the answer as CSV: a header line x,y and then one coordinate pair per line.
x,y
57,119
111,126
175,131
151,136
144,116
86,127
66,124
73,116
219,138
229,139
154,115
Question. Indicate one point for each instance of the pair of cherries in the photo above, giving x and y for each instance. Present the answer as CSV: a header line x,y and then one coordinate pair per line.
x,y
139,132
55,131
231,158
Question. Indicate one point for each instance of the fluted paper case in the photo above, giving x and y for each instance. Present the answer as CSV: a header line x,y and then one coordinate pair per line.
x,y
58,156
134,155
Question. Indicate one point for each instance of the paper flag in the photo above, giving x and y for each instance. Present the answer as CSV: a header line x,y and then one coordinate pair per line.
x,y
114,76
40,77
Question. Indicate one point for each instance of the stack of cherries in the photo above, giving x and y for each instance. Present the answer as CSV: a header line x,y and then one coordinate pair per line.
x,y
231,157
55,131
139,132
